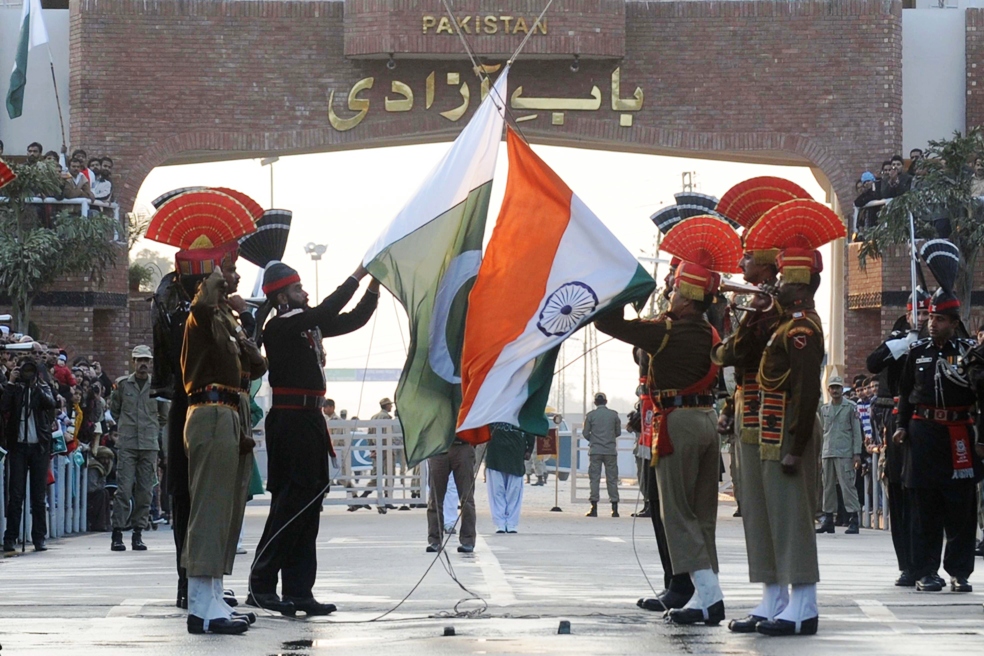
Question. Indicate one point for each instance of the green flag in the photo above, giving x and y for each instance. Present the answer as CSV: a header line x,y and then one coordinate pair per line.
x,y
32,34
428,258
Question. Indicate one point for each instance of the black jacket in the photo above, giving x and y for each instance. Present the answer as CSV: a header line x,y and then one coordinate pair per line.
x,y
42,406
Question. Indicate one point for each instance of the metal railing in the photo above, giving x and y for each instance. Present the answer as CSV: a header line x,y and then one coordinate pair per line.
x,y
67,500
359,445
874,512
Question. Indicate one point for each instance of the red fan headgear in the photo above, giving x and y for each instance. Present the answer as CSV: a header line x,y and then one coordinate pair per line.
x,y
206,225
704,245
796,228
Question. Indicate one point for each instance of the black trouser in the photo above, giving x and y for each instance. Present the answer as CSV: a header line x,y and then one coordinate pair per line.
x,y
680,583
900,514
26,460
180,510
293,553
948,510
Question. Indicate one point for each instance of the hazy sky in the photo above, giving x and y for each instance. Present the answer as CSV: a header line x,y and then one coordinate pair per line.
x,y
345,199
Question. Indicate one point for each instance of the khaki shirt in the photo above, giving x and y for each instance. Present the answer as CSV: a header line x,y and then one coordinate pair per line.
x,y
601,429
842,435
140,418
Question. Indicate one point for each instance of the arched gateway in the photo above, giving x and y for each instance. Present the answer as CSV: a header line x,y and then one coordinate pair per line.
x,y
162,82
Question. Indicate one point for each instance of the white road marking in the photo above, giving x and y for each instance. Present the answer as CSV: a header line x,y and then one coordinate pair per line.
x,y
879,612
500,592
128,608
611,539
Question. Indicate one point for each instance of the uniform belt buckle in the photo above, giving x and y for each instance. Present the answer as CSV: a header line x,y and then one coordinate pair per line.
x,y
939,415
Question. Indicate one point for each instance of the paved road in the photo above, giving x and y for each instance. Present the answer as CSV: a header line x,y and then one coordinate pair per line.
x,y
81,598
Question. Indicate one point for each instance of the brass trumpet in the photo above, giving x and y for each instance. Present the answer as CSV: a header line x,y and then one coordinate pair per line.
x,y
745,288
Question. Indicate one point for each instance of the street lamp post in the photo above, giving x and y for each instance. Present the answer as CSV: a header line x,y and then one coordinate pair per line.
x,y
315,251
268,161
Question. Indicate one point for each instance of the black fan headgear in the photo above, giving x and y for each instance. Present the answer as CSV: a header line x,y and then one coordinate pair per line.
x,y
269,242
943,259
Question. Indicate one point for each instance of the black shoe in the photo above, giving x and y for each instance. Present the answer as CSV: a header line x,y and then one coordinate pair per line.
x,y
136,542
433,548
979,551
745,624
960,584
40,545
221,625
8,547
118,541
404,507
668,600
594,510
271,602
229,597
501,530
645,512
710,616
310,606
787,628
738,514
905,580
928,584
852,525
939,579
381,510
354,508
615,510
511,530
249,617
466,548
826,524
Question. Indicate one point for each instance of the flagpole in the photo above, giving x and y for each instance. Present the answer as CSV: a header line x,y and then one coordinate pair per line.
x,y
54,82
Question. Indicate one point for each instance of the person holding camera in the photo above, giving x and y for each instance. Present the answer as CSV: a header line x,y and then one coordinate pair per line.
x,y
27,407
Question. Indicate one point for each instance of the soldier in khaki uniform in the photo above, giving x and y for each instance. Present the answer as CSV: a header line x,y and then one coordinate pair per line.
x,y
686,451
789,383
841,455
140,419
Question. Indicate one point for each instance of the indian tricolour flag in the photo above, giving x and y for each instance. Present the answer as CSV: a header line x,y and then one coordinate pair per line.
x,y
550,268
32,33
428,258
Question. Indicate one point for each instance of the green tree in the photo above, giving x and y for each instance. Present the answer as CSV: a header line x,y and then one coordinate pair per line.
x,y
37,247
940,197
155,264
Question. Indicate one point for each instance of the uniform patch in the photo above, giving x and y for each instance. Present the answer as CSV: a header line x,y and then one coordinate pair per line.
x,y
800,341
800,330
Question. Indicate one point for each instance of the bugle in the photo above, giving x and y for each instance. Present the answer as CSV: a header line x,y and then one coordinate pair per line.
x,y
730,286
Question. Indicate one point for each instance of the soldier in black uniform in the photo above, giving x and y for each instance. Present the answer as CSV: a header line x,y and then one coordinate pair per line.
x,y
887,362
298,443
942,464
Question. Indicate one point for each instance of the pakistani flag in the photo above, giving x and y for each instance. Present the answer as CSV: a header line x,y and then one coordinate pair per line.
x,y
32,34
428,258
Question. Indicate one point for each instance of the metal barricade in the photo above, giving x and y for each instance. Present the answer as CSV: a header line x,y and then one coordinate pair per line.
x,y
875,514
360,447
66,500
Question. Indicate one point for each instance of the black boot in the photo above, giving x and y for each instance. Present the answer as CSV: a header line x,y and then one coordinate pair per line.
x,y
615,509
118,540
594,510
826,524
852,525
310,606
136,542
543,479
182,600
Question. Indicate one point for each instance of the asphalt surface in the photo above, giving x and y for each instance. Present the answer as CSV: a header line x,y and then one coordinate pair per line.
x,y
81,598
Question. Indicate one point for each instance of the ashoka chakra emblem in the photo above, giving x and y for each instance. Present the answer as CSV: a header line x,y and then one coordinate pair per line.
x,y
565,307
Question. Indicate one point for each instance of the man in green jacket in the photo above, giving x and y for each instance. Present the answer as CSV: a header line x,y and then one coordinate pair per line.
x,y
504,469
842,440
140,418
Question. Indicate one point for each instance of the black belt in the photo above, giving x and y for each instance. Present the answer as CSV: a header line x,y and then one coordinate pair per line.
x,y
214,396
686,401
298,402
932,413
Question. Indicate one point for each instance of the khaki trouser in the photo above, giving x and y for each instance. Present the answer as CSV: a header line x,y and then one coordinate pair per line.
x,y
688,489
839,470
790,505
218,482
611,477
135,480
755,516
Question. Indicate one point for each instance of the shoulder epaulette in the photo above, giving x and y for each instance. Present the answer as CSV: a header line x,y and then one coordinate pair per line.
x,y
121,379
922,342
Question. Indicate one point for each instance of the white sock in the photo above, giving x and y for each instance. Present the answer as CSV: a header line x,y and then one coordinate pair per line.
x,y
706,582
201,599
217,593
802,604
775,598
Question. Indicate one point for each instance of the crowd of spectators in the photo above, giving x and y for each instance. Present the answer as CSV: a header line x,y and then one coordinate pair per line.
x,y
82,176
897,176
79,421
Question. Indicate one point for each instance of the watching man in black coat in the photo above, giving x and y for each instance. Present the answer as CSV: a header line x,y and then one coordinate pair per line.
x,y
27,406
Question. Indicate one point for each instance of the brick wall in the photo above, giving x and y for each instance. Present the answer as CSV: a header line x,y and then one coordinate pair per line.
x,y
141,330
737,80
975,67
